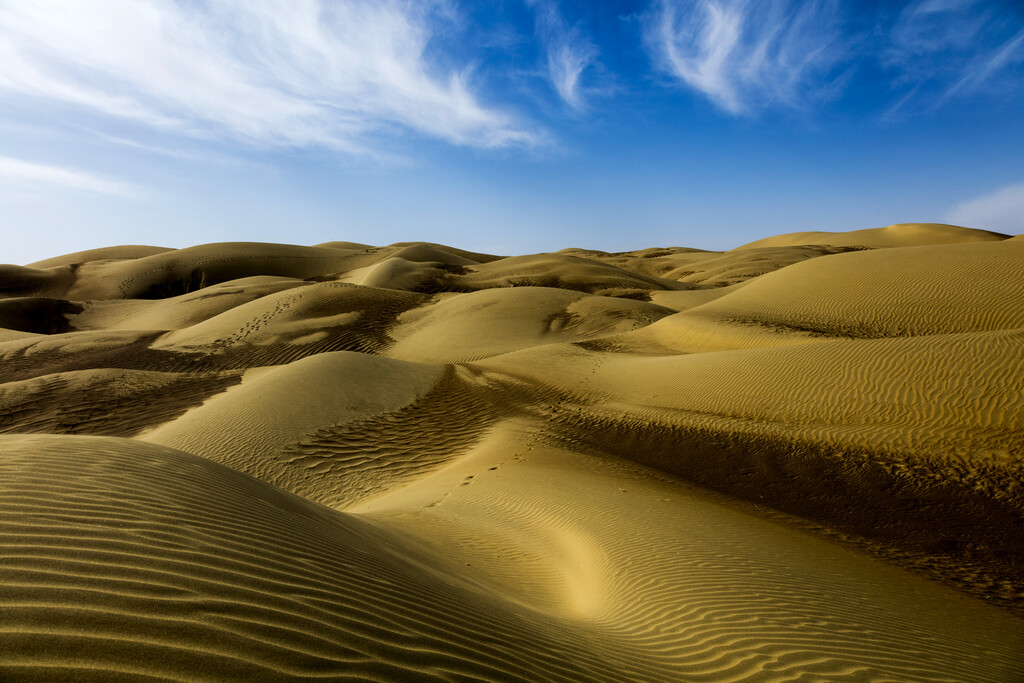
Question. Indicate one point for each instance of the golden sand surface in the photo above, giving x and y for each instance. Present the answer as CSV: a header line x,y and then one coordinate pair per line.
x,y
798,460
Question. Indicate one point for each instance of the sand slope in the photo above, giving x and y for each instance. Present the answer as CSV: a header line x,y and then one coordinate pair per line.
x,y
898,235
799,460
133,560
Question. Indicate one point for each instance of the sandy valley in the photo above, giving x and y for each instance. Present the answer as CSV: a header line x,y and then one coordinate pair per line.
x,y
798,460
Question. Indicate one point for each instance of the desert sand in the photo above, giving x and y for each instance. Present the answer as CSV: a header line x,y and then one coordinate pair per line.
x,y
798,460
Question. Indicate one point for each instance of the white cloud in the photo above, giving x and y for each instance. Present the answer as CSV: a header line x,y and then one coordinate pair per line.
x,y
987,65
1001,210
748,54
958,47
19,175
569,52
267,72
930,26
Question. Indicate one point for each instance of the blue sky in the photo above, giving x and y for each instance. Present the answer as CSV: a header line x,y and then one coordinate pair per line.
x,y
513,126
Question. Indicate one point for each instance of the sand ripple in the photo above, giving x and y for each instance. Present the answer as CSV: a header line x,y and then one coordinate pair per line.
x,y
800,460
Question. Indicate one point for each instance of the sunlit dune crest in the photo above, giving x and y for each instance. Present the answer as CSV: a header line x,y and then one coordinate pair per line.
x,y
801,459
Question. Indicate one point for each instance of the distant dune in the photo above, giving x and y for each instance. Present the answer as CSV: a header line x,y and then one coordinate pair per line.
x,y
801,459
899,235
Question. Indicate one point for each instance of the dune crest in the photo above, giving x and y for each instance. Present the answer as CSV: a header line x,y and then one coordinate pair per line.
x,y
898,235
801,459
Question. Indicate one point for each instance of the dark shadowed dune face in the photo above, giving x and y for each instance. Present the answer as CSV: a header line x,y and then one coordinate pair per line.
x,y
802,459
36,314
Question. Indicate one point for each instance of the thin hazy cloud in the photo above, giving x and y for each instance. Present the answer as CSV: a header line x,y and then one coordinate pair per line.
x,y
266,72
569,51
745,55
25,176
1001,210
952,48
989,65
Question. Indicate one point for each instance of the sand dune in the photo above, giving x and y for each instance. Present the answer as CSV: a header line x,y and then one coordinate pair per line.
x,y
119,253
693,267
889,292
798,460
898,235
495,321
899,292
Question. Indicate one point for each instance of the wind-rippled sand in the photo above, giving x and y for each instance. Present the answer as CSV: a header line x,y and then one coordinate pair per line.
x,y
799,460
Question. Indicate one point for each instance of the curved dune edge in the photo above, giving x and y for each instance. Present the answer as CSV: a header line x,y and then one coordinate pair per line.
x,y
127,559
898,235
211,573
258,461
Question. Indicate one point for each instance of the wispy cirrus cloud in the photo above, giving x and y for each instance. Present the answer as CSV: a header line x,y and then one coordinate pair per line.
x,y
264,72
1001,210
745,55
569,51
951,48
27,176
988,66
